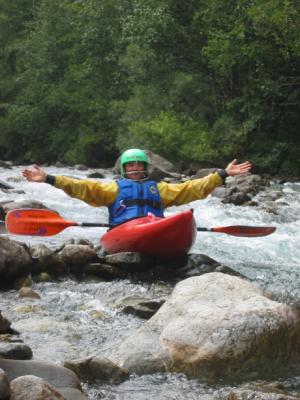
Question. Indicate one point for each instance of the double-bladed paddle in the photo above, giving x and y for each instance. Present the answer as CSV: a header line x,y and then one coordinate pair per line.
x,y
48,223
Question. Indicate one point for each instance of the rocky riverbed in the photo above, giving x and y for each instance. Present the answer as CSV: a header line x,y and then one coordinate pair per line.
x,y
223,324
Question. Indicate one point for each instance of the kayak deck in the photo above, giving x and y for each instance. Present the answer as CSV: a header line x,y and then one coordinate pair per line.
x,y
167,237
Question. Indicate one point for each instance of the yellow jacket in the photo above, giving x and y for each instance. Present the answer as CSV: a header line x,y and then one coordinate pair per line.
x,y
172,194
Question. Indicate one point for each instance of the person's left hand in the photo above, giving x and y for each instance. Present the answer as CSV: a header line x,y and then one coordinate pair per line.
x,y
234,168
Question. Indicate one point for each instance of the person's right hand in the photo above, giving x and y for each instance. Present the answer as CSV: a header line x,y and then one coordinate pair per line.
x,y
34,174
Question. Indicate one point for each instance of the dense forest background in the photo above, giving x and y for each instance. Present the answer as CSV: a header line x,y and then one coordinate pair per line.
x,y
199,82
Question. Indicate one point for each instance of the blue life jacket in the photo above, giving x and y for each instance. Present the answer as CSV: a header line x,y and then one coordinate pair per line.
x,y
135,199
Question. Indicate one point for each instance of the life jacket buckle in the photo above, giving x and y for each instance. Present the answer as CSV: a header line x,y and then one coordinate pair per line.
x,y
120,209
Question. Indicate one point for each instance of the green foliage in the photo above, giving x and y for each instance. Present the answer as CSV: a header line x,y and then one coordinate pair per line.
x,y
170,137
199,81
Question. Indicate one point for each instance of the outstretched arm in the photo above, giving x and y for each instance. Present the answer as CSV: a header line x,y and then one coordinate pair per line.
x,y
234,168
34,174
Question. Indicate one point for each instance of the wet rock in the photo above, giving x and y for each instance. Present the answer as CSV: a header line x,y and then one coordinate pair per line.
x,y
46,260
30,387
76,256
199,264
82,241
56,376
72,394
23,281
214,327
28,293
105,271
15,260
240,189
59,164
173,271
99,174
42,277
4,386
97,369
5,325
142,308
16,351
4,185
81,167
130,261
6,164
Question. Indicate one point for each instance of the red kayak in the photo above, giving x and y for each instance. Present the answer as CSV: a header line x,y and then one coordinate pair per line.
x,y
167,237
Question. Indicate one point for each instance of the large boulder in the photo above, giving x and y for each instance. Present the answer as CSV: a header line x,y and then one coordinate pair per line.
x,y
215,326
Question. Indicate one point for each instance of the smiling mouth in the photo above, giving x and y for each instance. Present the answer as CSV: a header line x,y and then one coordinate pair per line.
x,y
136,172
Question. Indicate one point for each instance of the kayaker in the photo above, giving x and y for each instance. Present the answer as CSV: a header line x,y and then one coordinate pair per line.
x,y
135,195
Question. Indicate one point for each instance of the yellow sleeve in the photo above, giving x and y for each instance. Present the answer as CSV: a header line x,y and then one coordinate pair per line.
x,y
182,193
94,193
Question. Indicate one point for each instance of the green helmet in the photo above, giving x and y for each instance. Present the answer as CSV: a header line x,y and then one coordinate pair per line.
x,y
132,155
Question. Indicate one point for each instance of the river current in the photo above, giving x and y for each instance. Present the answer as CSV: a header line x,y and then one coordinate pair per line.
x,y
77,319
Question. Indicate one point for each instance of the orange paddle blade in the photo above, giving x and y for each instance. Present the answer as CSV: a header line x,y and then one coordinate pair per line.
x,y
245,231
35,222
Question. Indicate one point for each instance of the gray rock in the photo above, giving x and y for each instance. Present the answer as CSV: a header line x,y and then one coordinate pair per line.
x,y
130,261
6,164
15,351
46,260
105,271
72,394
28,293
4,185
99,174
214,327
57,376
29,387
202,172
13,205
4,325
76,256
15,260
97,369
143,308
4,386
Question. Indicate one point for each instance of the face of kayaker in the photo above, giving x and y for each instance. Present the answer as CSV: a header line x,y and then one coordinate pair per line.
x,y
135,170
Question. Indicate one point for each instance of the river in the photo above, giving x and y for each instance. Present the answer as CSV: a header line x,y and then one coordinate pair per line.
x,y
76,319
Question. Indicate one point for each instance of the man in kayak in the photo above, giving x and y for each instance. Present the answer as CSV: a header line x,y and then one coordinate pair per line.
x,y
134,195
